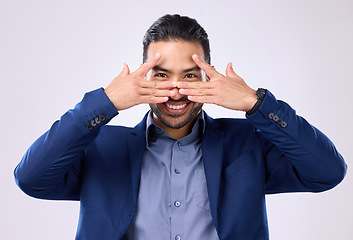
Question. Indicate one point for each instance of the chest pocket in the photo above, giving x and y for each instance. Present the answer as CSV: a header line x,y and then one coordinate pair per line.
x,y
200,189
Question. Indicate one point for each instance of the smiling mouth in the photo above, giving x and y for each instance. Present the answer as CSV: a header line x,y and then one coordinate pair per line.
x,y
175,106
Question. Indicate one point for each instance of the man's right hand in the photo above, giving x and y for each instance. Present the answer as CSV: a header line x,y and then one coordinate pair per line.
x,y
128,90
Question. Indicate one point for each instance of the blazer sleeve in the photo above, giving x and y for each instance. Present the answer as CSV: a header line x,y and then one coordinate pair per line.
x,y
298,156
50,169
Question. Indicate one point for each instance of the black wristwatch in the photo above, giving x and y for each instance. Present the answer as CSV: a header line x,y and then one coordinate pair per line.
x,y
260,93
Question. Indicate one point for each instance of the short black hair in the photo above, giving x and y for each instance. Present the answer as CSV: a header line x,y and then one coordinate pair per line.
x,y
176,27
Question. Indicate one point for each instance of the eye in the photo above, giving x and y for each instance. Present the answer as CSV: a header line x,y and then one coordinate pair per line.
x,y
161,75
190,75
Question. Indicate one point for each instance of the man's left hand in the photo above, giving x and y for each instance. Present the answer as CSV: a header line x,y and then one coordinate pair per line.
x,y
228,91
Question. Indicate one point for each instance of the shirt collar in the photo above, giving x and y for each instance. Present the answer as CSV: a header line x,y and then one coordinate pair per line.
x,y
153,130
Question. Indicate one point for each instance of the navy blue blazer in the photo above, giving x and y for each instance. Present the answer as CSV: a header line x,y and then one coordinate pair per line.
x,y
272,151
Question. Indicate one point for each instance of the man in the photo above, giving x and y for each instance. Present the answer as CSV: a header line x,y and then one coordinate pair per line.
x,y
179,174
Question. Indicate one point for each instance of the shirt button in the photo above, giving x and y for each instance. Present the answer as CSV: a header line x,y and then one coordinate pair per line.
x,y
176,171
177,204
177,237
179,144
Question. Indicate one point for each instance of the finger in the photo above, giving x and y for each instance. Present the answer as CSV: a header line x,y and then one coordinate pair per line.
x,y
209,70
197,92
156,92
196,85
202,99
153,99
230,72
144,68
157,84
125,71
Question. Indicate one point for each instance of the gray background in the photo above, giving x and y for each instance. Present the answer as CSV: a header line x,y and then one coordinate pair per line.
x,y
52,52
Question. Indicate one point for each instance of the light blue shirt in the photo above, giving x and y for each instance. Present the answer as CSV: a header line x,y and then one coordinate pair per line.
x,y
173,201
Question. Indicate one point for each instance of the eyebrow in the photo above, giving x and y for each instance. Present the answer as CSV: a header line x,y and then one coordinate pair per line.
x,y
196,68
158,68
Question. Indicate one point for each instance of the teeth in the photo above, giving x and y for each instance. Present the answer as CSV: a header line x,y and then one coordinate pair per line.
x,y
175,106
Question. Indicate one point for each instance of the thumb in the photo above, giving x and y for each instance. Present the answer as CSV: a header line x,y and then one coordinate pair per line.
x,y
230,72
125,71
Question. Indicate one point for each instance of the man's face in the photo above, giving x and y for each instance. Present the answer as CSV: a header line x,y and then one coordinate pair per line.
x,y
175,64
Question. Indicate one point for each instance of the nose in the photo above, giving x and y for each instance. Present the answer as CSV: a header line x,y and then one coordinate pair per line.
x,y
177,94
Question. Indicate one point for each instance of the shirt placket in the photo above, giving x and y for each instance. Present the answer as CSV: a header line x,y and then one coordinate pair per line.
x,y
177,192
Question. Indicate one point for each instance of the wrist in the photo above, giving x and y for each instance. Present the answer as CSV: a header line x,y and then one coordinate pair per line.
x,y
251,101
260,95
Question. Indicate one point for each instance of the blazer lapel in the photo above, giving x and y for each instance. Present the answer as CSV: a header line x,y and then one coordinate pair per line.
x,y
137,146
212,155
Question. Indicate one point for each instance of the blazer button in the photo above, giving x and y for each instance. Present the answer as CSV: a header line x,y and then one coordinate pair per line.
x,y
93,123
283,124
97,121
271,115
276,118
101,117
89,126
